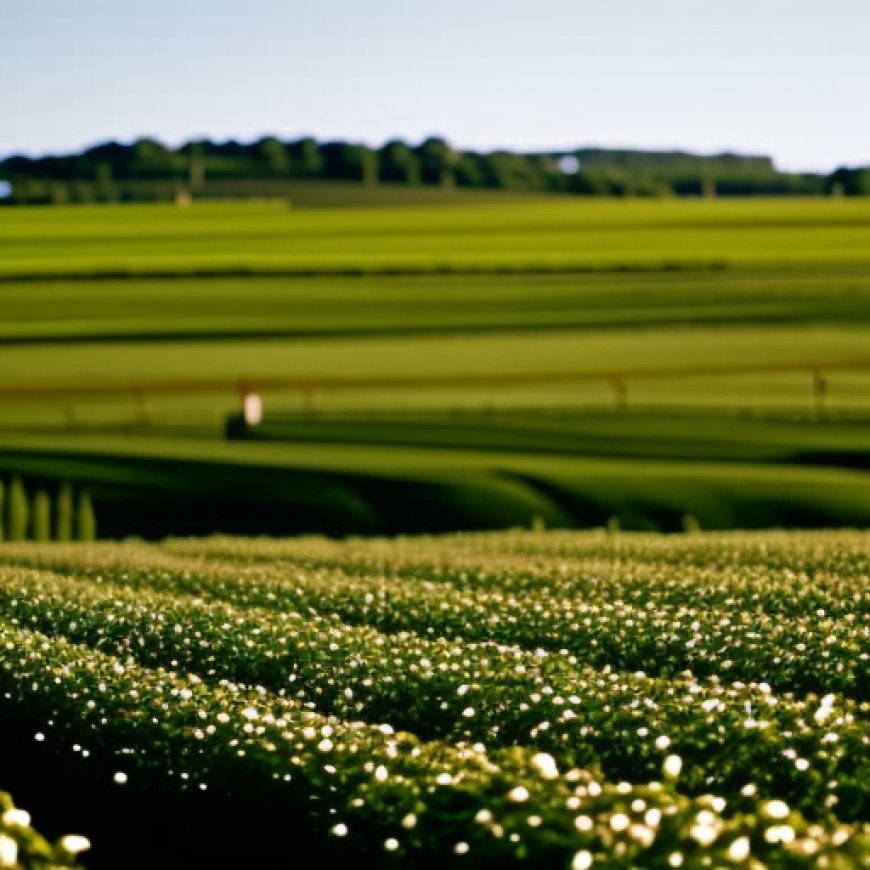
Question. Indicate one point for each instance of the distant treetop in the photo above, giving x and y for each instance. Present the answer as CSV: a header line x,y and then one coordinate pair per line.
x,y
149,170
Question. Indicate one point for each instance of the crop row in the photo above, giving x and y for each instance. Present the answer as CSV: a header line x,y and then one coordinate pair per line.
x,y
835,556
772,573
664,633
433,802
808,750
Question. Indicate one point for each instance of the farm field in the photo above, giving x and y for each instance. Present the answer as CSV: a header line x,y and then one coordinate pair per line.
x,y
547,699
554,361
553,235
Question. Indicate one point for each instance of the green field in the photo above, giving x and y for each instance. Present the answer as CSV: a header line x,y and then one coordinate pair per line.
x,y
550,236
550,361
533,699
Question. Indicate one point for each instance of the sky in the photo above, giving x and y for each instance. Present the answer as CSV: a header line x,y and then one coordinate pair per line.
x,y
788,78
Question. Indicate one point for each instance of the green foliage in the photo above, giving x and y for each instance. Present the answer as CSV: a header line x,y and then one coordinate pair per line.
x,y
604,172
85,519
850,181
398,163
2,510
65,512
17,511
471,701
24,848
41,516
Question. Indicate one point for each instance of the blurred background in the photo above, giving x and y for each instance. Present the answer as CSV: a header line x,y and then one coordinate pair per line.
x,y
416,269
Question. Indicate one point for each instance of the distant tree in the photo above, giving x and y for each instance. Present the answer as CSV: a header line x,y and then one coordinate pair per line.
x,y
306,158
343,160
17,511
196,167
17,165
86,521
272,156
368,163
2,512
151,159
398,163
41,516
65,512
470,170
850,181
111,171
509,171
438,161
231,148
117,157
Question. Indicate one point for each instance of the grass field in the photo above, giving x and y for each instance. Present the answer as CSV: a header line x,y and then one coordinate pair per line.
x,y
557,361
553,235
547,699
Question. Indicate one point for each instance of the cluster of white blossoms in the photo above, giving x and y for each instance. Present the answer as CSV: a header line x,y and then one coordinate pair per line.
x,y
703,701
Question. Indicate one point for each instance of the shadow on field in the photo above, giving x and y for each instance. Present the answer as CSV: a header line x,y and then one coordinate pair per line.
x,y
152,826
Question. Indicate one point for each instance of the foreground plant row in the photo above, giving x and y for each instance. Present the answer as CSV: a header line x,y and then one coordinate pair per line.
x,y
468,700
23,846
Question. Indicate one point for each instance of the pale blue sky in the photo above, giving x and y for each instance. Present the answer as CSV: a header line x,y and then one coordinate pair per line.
x,y
790,78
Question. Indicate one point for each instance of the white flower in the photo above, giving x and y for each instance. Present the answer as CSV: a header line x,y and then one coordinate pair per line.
x,y
619,822
545,764
120,777
779,834
739,849
16,818
704,834
339,830
583,823
391,844
381,773
672,766
663,742
582,860
461,848
776,809
8,851
74,843
518,794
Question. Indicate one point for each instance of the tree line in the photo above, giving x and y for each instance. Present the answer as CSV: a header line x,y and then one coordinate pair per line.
x,y
148,169
63,513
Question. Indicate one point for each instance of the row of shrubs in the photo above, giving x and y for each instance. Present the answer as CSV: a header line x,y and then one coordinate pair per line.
x,y
39,514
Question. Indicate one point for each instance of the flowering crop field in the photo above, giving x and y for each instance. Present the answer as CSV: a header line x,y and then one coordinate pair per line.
x,y
541,699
